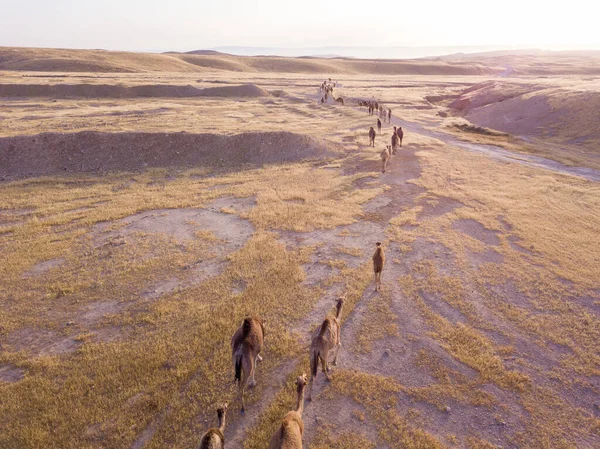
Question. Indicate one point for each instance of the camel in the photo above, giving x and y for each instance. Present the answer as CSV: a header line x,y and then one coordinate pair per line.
x,y
327,339
372,137
386,155
378,263
214,438
400,135
339,100
289,434
389,116
246,345
394,143
379,126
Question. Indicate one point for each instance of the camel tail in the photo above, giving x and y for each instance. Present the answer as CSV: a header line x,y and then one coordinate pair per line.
x,y
314,363
238,368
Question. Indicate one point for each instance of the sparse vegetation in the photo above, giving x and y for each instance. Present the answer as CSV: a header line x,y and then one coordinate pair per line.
x,y
120,291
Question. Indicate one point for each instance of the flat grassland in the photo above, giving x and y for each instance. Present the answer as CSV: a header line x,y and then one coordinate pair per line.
x,y
142,218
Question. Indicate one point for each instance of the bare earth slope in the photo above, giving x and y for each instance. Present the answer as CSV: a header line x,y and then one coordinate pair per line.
x,y
562,115
119,91
88,152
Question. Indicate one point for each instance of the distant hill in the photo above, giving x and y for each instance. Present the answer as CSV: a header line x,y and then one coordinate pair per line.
x,y
523,62
65,60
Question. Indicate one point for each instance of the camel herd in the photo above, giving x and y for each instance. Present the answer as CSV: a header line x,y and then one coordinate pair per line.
x,y
247,342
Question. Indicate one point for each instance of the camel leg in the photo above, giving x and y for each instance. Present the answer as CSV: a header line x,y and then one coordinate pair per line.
x,y
337,351
324,365
241,392
310,384
252,370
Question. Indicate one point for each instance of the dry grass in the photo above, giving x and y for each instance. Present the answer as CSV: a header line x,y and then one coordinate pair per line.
x,y
162,362
330,438
465,343
379,397
377,323
450,385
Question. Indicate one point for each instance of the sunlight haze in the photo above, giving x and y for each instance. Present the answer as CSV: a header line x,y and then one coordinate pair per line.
x,y
183,25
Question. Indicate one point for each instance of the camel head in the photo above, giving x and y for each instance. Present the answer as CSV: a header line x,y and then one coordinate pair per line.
x,y
339,303
222,410
301,381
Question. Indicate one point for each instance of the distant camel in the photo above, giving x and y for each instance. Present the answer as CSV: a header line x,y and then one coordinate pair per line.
x,y
378,263
246,345
372,137
214,438
386,155
339,100
327,339
322,100
289,434
400,135
379,126
389,116
394,143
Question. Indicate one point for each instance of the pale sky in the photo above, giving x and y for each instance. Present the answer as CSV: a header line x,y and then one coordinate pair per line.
x,y
182,25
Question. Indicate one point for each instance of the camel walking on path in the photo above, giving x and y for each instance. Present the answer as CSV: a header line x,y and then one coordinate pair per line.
x,y
372,137
289,433
328,339
378,263
246,345
214,438
386,155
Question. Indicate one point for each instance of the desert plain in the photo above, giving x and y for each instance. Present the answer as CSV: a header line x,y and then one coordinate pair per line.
x,y
148,203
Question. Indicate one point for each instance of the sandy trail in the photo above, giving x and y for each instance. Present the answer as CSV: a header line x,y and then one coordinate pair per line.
x,y
492,151
499,153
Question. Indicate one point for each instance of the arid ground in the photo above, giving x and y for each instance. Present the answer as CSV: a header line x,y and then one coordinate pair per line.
x,y
148,203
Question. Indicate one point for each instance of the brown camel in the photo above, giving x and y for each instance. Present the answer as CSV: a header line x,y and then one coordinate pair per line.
x,y
214,438
328,338
289,434
386,155
246,345
400,135
378,263
372,137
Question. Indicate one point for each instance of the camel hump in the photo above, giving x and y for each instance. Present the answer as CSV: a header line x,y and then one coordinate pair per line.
x,y
324,327
211,437
246,327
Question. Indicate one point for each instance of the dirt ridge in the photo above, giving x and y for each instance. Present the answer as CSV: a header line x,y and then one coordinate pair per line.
x,y
120,91
96,152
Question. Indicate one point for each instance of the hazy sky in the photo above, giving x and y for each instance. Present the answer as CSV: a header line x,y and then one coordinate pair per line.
x,y
182,25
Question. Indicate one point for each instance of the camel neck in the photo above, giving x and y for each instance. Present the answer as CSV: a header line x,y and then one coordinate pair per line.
x,y
339,312
222,423
300,403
